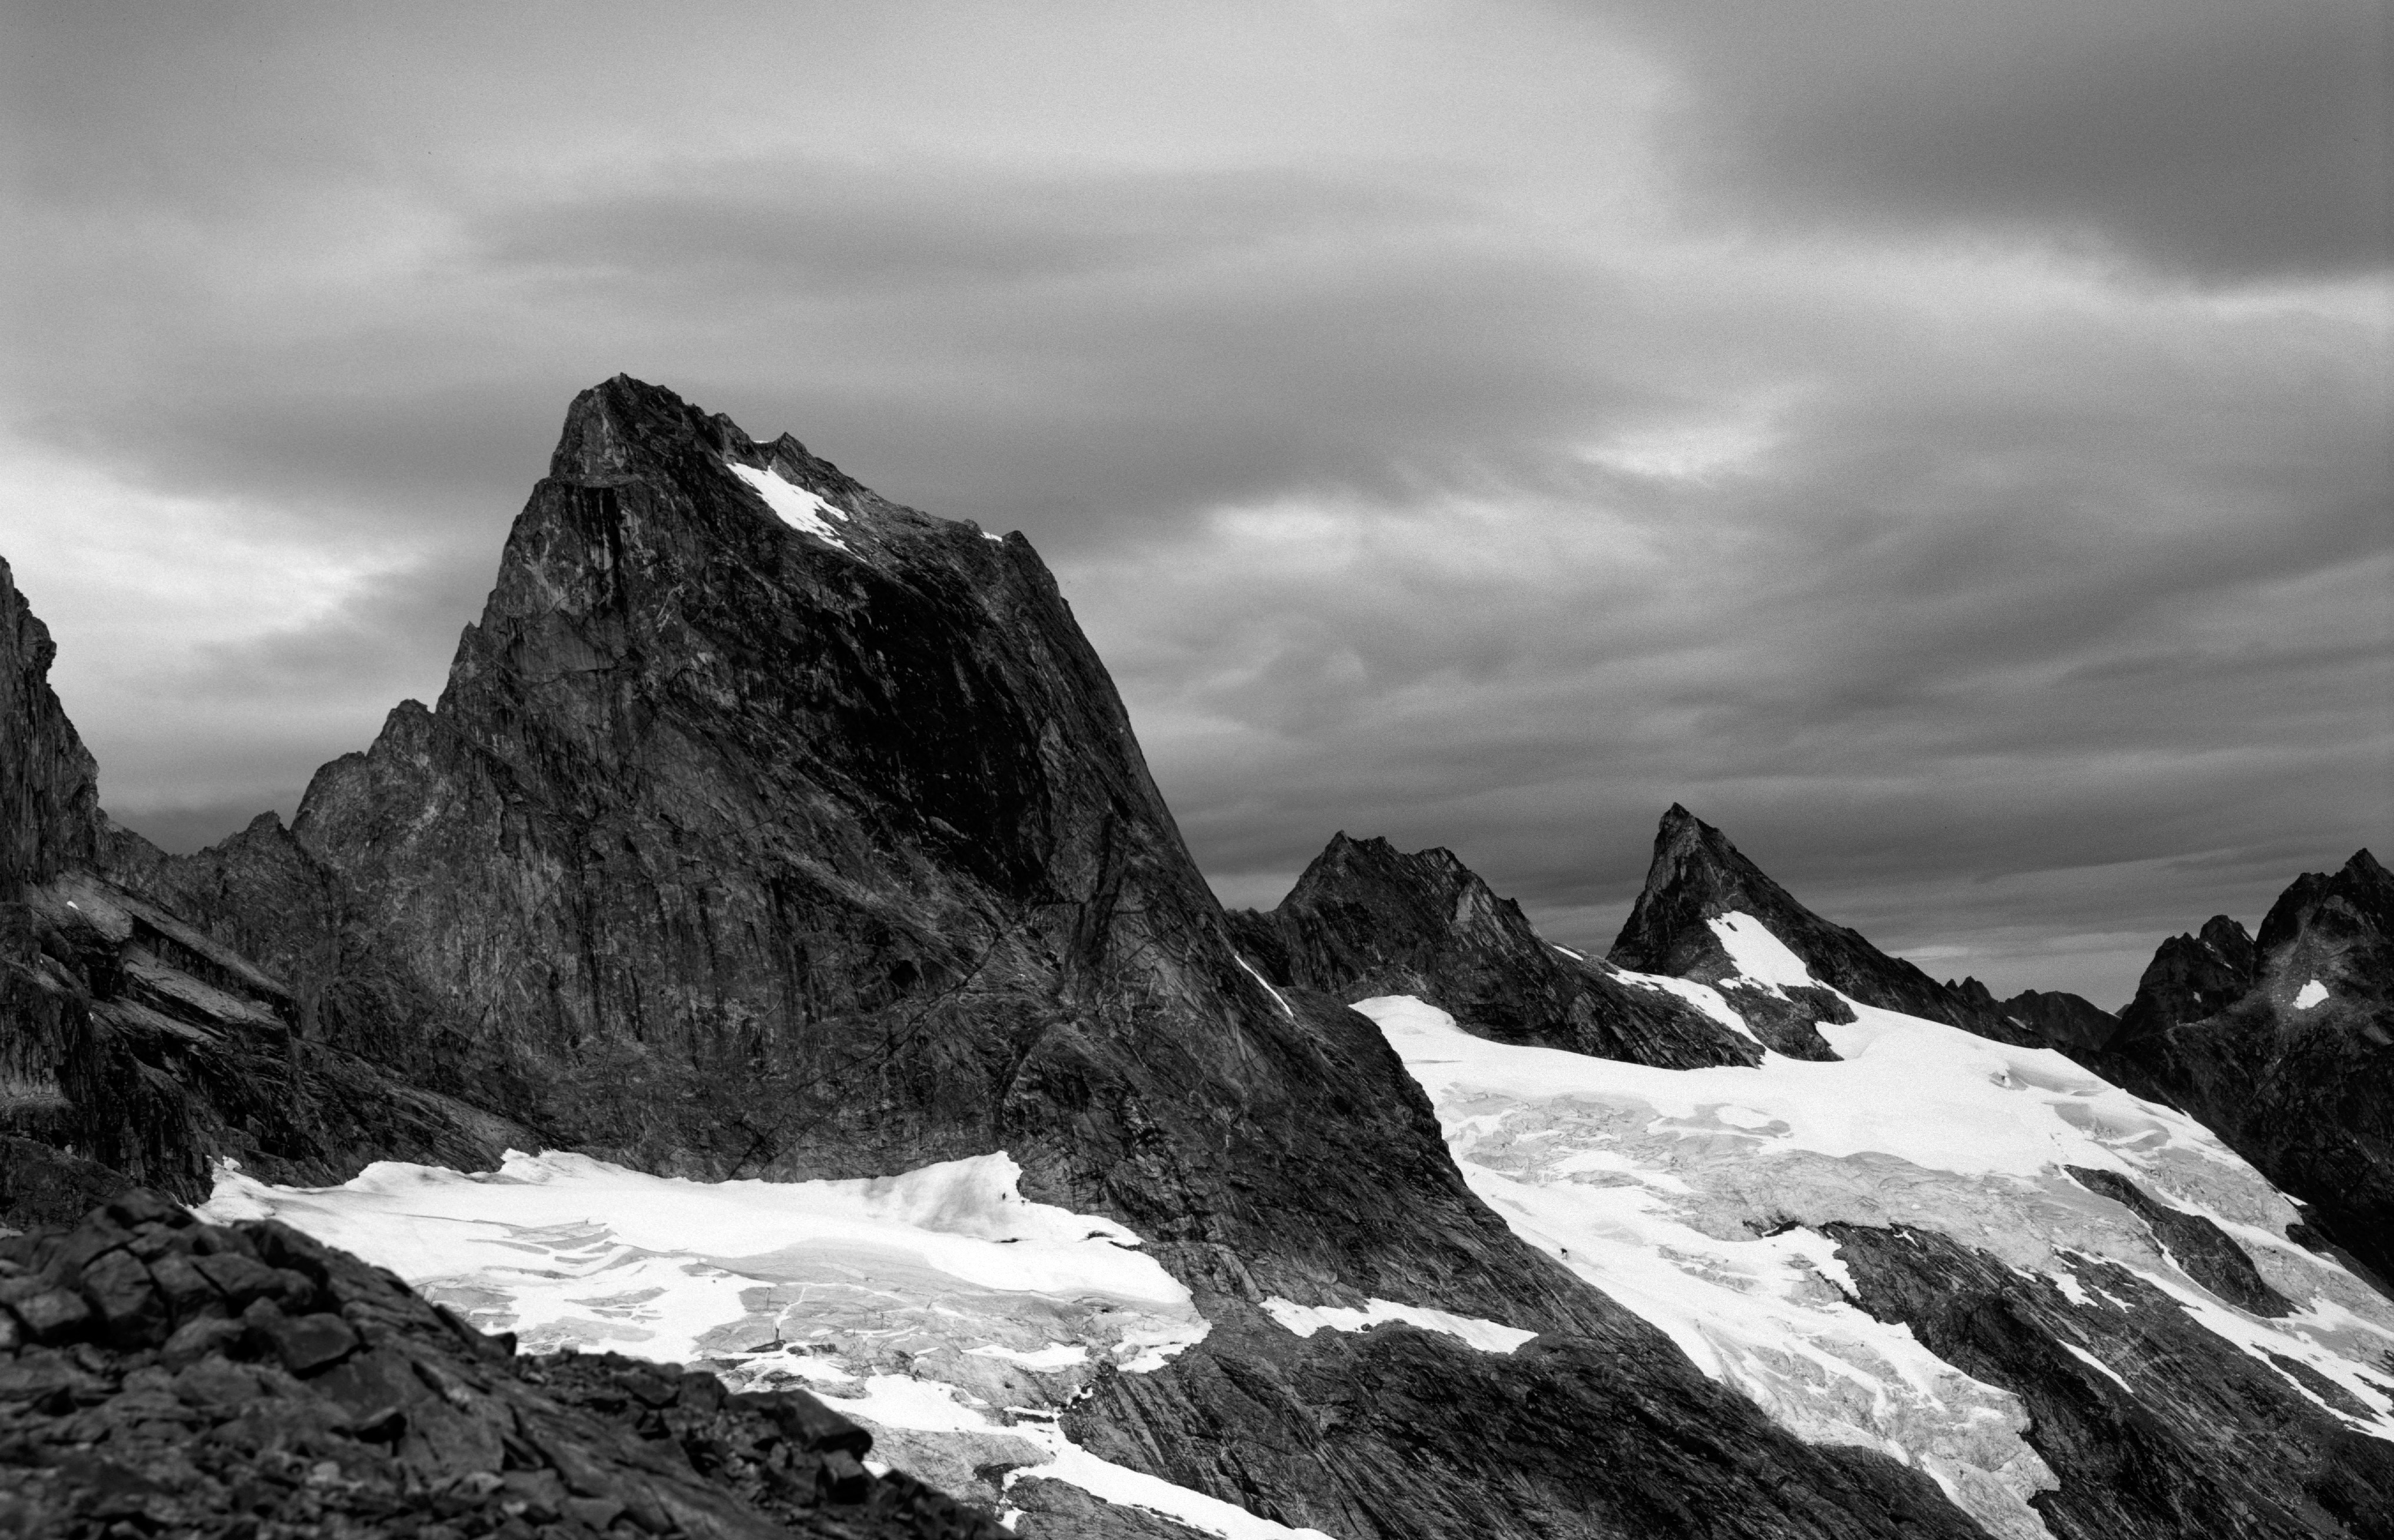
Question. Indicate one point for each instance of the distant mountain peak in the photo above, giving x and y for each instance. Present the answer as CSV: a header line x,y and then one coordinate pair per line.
x,y
2282,1041
1368,919
1699,876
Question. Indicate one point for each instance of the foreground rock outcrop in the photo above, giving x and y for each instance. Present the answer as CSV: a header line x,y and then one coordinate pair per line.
x,y
159,1377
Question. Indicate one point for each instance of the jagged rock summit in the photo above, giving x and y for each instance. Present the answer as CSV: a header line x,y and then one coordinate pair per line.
x,y
2284,1042
1366,920
1697,876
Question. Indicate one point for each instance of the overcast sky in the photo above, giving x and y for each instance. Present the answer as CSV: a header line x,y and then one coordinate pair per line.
x,y
1944,444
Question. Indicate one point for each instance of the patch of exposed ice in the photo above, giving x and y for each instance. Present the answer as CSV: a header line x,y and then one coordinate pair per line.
x,y
1056,1355
794,504
2311,994
1489,1337
564,1249
1135,1488
2083,1356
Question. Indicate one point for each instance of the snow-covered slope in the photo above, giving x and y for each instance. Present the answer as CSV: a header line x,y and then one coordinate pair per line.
x,y
940,1308
1698,1197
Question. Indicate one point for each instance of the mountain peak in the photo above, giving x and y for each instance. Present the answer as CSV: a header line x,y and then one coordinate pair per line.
x,y
624,430
1698,876
1369,920
616,424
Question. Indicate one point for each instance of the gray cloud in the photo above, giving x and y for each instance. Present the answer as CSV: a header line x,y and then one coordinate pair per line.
x,y
1482,430
2217,140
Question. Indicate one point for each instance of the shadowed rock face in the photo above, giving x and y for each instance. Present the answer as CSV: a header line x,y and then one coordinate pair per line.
x,y
1698,876
2207,1253
1367,919
2156,1427
132,1045
2283,1045
49,810
2190,977
2063,1020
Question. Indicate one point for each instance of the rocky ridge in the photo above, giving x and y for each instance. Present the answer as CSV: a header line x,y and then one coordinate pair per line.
x,y
1367,919
2284,1041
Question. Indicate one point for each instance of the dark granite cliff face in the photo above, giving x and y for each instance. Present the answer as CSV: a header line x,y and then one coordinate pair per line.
x,y
2156,1425
2062,1020
137,1048
2191,978
766,827
49,813
2283,1045
1698,876
1367,919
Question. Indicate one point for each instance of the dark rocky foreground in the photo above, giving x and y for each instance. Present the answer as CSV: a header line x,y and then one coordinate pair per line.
x,y
163,1377
2305,1092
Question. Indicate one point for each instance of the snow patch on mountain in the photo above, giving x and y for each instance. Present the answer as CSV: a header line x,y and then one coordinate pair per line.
x,y
1279,999
1702,997
794,504
1693,1197
1489,1337
1760,956
935,1307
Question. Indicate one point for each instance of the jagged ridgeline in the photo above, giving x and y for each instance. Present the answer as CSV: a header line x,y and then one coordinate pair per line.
x,y
766,828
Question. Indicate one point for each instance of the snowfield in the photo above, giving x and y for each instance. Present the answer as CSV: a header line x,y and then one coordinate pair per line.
x,y
1685,1195
940,1307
